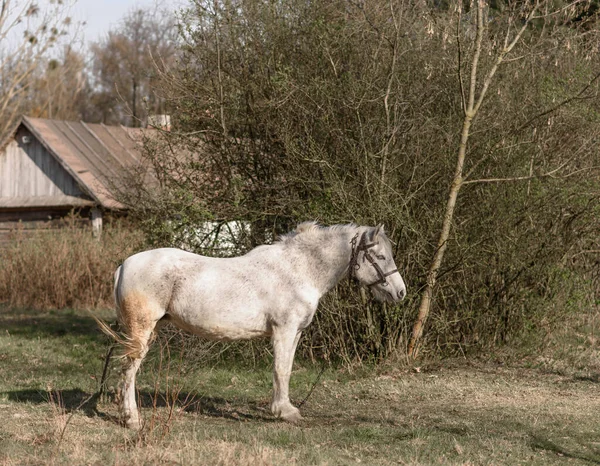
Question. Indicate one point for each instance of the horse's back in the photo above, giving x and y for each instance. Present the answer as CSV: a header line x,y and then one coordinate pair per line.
x,y
157,257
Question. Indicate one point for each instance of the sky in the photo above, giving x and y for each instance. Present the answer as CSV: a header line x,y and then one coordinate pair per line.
x,y
101,15
96,17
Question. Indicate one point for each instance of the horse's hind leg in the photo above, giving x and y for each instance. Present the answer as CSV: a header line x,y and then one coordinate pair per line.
x,y
128,407
138,318
285,342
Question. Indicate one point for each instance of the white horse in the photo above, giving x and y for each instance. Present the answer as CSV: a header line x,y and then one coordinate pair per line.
x,y
271,291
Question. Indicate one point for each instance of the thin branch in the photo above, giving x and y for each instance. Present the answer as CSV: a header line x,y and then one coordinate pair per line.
x,y
560,10
560,104
534,118
505,51
460,79
392,74
473,84
220,71
586,251
494,148
530,177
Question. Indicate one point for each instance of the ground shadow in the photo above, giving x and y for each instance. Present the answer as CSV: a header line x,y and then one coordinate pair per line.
x,y
32,325
594,378
72,400
67,401
212,406
538,442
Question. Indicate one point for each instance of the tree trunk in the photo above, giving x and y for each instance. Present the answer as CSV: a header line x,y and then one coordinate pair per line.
x,y
426,298
470,108
134,105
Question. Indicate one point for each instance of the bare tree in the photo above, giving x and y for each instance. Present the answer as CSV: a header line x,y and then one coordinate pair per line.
x,y
59,89
27,33
126,64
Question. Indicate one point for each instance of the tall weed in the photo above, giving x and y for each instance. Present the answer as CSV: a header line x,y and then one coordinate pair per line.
x,y
67,267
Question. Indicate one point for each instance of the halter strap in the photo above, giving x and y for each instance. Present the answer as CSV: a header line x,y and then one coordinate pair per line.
x,y
354,265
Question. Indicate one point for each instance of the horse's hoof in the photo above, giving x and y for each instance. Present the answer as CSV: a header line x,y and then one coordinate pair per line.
x,y
292,416
133,424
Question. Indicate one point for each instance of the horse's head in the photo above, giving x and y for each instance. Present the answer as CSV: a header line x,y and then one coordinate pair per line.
x,y
372,264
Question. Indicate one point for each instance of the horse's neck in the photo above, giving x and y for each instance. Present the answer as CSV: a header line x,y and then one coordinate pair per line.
x,y
328,258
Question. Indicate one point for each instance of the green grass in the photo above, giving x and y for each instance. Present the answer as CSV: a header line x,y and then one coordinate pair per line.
x,y
446,413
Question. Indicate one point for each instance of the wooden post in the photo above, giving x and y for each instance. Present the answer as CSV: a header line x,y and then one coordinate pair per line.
x,y
96,223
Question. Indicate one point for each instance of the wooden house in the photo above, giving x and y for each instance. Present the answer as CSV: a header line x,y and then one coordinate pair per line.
x,y
49,168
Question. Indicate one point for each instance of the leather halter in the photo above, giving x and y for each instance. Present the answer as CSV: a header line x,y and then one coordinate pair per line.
x,y
354,265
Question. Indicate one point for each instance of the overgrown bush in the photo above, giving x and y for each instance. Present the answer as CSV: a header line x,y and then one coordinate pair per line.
x,y
66,267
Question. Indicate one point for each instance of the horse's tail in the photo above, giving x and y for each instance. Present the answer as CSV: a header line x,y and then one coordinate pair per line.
x,y
116,292
131,346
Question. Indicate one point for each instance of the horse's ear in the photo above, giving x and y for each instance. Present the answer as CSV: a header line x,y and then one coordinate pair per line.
x,y
376,232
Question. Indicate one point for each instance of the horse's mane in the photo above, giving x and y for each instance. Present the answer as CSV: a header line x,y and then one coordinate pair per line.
x,y
312,228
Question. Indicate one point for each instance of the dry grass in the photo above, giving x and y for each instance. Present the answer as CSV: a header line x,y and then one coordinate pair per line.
x,y
463,412
64,268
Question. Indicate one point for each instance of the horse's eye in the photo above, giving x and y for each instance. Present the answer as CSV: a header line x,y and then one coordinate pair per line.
x,y
380,257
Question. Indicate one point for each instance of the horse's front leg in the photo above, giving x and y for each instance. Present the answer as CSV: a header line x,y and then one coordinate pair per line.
x,y
285,341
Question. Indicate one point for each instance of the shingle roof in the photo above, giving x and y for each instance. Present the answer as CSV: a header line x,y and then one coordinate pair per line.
x,y
91,153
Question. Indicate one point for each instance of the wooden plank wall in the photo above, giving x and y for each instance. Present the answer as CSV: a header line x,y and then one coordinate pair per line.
x,y
28,170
